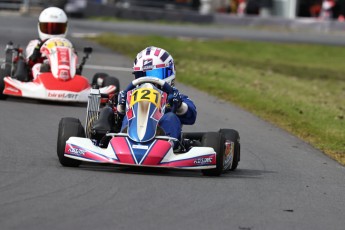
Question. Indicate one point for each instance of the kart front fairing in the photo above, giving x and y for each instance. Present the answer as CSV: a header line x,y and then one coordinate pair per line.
x,y
46,87
155,153
145,107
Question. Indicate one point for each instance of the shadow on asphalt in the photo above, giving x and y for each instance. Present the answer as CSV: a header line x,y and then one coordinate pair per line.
x,y
239,173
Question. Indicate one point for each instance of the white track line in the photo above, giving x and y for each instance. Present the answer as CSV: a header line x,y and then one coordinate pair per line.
x,y
112,68
84,35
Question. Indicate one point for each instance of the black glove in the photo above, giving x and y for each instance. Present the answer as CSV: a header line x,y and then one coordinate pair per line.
x,y
175,98
37,53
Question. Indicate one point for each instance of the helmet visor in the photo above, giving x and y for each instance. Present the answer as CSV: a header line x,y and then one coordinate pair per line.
x,y
161,73
53,28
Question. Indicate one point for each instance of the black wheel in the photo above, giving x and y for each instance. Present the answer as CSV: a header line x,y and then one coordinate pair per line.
x,y
98,79
112,81
68,127
216,141
233,138
2,84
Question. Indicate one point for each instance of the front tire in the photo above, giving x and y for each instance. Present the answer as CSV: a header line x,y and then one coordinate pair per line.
x,y
214,140
68,127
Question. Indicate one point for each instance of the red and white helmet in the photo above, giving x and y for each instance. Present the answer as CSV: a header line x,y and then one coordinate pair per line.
x,y
52,22
155,62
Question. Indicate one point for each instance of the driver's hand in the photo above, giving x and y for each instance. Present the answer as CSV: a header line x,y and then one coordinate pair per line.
x,y
36,53
122,98
175,98
39,45
121,102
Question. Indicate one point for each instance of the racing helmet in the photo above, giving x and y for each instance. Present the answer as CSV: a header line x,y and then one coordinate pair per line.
x,y
52,22
155,62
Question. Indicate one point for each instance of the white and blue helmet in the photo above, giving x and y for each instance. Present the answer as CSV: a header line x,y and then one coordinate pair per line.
x,y
155,62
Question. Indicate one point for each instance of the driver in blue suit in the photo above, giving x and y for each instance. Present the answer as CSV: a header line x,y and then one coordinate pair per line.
x,y
158,63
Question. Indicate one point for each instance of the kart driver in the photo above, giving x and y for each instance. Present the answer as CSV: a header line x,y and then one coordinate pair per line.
x,y
52,22
158,63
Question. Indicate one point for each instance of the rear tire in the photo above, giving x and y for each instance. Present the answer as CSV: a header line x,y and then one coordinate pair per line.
x,y
98,79
214,140
233,136
110,80
21,71
6,70
68,127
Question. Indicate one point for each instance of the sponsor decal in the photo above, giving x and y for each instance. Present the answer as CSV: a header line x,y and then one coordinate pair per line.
x,y
203,161
140,147
229,153
12,89
63,95
77,151
71,96
148,64
64,56
64,74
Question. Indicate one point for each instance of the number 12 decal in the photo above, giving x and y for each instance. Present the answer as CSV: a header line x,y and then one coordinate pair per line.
x,y
146,94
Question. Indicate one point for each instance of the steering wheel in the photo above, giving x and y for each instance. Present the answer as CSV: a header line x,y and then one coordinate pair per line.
x,y
164,87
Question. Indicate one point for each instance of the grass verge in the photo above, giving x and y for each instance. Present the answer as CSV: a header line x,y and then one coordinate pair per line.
x,y
300,88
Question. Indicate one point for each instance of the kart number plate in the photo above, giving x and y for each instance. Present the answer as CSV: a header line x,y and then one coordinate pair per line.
x,y
58,43
146,94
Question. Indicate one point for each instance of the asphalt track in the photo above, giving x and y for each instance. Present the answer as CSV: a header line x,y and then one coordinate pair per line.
x,y
281,182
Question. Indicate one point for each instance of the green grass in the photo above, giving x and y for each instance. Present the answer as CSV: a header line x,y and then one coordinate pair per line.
x,y
300,88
